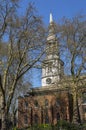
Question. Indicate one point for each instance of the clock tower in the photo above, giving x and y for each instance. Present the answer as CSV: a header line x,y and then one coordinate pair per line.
x,y
52,66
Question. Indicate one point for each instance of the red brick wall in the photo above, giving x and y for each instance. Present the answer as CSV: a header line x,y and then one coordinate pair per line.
x,y
52,109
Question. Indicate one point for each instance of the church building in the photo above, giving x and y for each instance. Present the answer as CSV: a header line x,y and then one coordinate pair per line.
x,y
51,102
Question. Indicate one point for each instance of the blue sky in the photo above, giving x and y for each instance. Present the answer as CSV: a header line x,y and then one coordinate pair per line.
x,y
59,8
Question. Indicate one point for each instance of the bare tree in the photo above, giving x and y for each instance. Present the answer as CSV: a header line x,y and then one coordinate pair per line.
x,y
21,47
73,53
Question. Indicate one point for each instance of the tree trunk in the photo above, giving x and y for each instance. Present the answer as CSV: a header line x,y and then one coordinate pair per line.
x,y
76,113
74,107
3,121
79,117
3,115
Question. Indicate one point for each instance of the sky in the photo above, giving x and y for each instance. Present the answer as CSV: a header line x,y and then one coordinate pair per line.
x,y
59,9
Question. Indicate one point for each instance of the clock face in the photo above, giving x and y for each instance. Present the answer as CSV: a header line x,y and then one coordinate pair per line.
x,y
48,80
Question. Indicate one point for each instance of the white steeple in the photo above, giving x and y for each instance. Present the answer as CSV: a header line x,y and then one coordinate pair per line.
x,y
52,66
51,18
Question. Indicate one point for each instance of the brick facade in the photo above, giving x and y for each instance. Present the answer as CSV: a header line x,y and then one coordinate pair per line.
x,y
44,108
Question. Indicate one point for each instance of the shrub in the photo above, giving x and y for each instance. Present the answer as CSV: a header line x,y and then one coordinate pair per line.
x,y
67,125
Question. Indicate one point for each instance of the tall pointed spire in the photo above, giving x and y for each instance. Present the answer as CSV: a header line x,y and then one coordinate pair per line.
x,y
51,18
51,74
51,34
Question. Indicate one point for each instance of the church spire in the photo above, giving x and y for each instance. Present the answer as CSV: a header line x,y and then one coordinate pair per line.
x,y
52,67
51,18
51,30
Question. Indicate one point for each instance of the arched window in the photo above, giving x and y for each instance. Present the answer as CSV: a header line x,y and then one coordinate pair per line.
x,y
84,97
36,103
36,119
58,116
84,113
46,102
57,102
25,119
26,104
46,117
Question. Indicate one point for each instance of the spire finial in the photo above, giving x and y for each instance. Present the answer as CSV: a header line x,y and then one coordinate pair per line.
x,y
51,18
